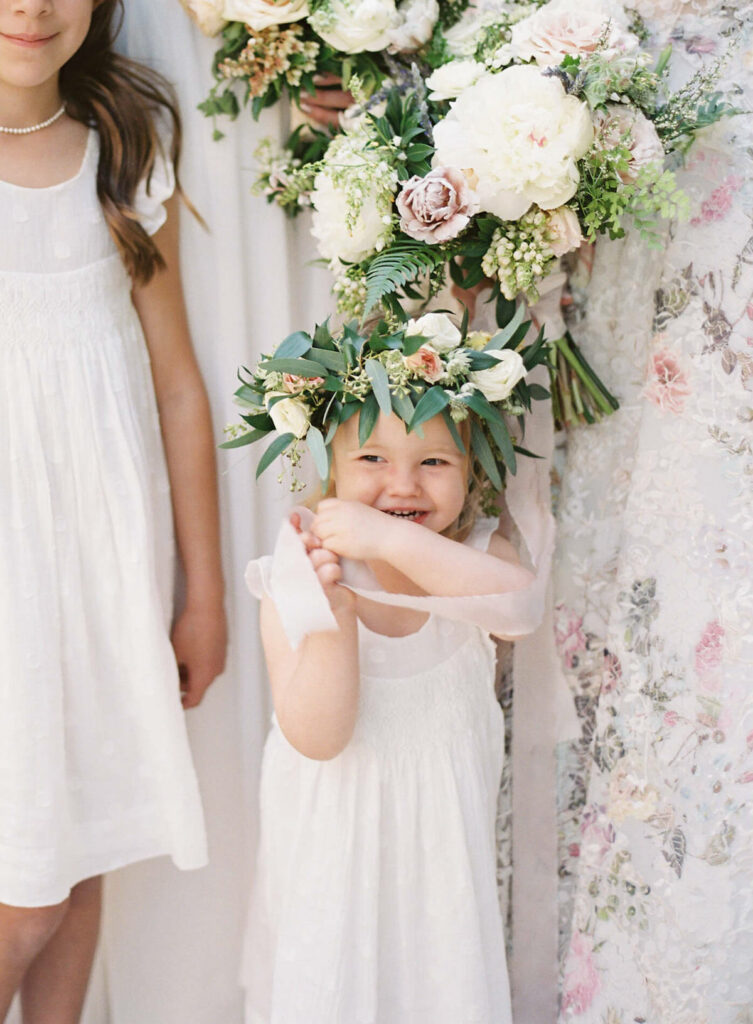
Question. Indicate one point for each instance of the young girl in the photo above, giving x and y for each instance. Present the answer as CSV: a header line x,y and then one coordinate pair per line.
x,y
95,770
375,896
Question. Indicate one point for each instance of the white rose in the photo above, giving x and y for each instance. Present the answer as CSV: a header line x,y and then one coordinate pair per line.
x,y
450,80
625,126
564,231
522,134
290,415
260,14
208,14
438,327
563,27
353,26
496,383
417,21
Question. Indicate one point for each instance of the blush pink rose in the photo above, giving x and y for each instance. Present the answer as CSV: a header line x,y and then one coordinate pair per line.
x,y
617,125
581,978
437,207
295,384
668,386
426,363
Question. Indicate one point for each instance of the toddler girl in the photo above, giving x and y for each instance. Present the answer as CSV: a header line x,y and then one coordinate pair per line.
x,y
95,770
374,900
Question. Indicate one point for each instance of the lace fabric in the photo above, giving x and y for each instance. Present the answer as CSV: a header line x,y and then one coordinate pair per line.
x,y
654,609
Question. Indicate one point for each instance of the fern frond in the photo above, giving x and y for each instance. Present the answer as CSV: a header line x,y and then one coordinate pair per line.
x,y
403,262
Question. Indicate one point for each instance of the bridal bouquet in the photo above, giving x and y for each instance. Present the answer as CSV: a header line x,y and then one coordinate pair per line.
x,y
275,46
538,126
424,368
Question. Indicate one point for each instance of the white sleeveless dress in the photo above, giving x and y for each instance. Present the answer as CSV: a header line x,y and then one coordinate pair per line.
x,y
95,770
374,899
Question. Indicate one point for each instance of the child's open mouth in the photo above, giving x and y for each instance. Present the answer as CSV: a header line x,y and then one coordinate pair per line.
x,y
414,515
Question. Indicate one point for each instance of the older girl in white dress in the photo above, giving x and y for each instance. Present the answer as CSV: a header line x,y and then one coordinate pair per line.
x,y
95,770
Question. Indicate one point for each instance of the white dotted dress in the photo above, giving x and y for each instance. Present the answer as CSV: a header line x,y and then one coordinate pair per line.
x,y
95,770
374,899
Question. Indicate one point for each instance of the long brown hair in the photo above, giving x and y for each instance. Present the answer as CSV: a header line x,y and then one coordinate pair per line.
x,y
123,101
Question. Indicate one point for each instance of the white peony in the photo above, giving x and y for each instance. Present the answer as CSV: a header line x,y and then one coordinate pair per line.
x,y
353,26
290,415
522,135
563,27
438,327
260,14
417,21
208,14
373,225
450,80
497,382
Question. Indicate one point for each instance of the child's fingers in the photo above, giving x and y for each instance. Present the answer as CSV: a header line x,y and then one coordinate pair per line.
x,y
310,541
295,521
323,556
329,574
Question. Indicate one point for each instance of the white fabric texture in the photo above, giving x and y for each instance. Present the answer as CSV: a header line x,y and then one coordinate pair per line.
x,y
374,900
95,770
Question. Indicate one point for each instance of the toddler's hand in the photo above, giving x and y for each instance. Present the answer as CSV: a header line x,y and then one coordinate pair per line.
x,y
327,566
350,528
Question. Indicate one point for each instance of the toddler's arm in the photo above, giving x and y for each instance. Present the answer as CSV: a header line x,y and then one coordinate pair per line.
x,y
438,565
315,688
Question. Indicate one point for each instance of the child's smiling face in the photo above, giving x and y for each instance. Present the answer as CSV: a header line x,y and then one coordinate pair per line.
x,y
420,479
38,38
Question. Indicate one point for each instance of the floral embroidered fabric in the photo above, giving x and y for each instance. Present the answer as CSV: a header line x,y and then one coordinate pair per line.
x,y
654,604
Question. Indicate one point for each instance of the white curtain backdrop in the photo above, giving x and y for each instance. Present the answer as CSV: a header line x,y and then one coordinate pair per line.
x,y
171,940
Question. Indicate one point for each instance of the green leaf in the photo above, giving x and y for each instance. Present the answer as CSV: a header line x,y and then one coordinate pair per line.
x,y
402,262
318,449
332,360
430,404
277,447
403,407
452,427
480,360
485,456
369,416
299,367
247,396
249,438
503,441
503,337
413,342
294,345
381,384
538,392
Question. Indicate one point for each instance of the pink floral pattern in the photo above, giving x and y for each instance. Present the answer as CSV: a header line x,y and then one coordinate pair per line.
x,y
654,624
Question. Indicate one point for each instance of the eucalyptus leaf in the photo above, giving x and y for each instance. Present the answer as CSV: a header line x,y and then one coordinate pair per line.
x,y
452,427
502,337
299,367
403,407
381,384
318,449
248,438
277,447
503,441
430,404
332,360
294,345
485,455
369,416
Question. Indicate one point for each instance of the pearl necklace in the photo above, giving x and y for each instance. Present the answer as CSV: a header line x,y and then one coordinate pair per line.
x,y
34,127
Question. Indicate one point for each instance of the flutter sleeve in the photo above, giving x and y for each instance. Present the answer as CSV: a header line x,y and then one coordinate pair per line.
x,y
155,189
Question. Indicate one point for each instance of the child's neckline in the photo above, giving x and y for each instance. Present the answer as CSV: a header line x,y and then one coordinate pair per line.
x,y
390,636
60,184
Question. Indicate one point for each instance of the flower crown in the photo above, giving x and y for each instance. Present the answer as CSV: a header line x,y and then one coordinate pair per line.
x,y
427,367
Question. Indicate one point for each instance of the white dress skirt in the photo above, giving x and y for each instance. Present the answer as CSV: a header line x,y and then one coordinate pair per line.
x,y
375,899
95,770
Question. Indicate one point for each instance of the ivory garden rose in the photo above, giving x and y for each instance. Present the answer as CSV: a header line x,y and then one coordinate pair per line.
x,y
438,327
497,383
450,80
416,25
261,14
354,26
289,415
209,15
522,134
571,27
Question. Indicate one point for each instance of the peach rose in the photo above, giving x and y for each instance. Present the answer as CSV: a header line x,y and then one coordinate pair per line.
x,y
295,384
426,363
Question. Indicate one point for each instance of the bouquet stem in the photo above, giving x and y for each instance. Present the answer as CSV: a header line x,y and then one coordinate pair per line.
x,y
578,396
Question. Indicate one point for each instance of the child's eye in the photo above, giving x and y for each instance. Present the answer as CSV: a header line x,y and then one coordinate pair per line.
x,y
434,462
371,458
